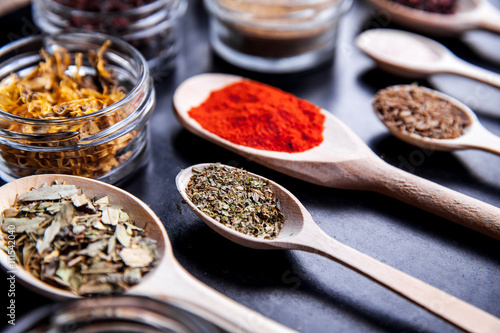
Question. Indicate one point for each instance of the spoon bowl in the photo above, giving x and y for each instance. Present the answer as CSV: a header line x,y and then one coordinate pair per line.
x,y
294,213
414,56
168,281
475,135
470,15
300,232
140,213
343,161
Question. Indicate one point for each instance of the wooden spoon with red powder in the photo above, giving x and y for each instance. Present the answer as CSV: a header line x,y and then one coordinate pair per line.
x,y
340,160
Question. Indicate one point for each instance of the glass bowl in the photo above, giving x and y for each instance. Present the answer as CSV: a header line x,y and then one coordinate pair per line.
x,y
277,36
132,314
153,28
108,144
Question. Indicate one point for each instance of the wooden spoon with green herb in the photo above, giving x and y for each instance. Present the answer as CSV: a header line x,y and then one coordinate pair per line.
x,y
343,161
167,281
300,232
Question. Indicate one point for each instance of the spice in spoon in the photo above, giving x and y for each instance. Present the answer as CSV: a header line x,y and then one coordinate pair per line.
x,y
86,246
433,6
256,115
237,200
418,110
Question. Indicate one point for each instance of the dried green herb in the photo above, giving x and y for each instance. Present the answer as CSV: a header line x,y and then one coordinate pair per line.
x,y
236,199
87,246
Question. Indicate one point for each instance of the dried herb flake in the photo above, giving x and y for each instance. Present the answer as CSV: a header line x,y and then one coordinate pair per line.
x,y
62,239
237,200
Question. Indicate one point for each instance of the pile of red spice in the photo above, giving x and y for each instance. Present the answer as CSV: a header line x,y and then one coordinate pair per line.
x,y
434,6
256,115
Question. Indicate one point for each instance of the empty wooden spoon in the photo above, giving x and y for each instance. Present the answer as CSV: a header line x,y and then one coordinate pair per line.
x,y
414,56
470,15
475,136
299,232
167,281
344,161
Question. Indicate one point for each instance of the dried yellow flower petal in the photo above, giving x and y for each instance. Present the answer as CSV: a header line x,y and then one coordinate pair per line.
x,y
58,91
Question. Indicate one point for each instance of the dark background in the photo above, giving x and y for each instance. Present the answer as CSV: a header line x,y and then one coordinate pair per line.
x,y
304,291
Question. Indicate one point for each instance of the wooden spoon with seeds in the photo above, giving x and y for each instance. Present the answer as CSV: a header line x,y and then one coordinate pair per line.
x,y
342,160
474,135
470,15
168,281
300,232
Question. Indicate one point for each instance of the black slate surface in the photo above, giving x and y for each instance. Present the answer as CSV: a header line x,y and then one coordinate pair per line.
x,y
304,291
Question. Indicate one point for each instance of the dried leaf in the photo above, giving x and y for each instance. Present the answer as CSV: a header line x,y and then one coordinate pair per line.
x,y
78,229
110,215
51,256
64,272
132,276
75,261
79,200
48,236
104,201
102,267
124,218
28,251
111,245
54,192
98,225
136,257
10,212
93,248
65,214
122,236
95,288
22,224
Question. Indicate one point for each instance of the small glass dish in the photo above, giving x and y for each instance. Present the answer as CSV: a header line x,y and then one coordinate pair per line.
x,y
277,36
108,144
132,314
153,28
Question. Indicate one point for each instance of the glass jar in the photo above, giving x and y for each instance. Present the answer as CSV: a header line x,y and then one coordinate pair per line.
x,y
108,144
276,36
153,28
132,314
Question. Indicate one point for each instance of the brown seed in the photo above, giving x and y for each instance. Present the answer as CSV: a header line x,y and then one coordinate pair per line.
x,y
414,109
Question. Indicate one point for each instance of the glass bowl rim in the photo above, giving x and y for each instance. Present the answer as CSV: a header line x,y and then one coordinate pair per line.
x,y
143,76
337,10
144,9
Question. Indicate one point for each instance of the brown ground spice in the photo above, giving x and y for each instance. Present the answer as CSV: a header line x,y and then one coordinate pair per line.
x,y
420,111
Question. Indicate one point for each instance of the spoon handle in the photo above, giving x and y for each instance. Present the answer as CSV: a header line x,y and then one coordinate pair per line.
x,y
434,198
172,283
488,17
458,66
481,138
446,306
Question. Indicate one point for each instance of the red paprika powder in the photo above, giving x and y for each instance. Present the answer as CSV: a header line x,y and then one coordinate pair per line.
x,y
256,115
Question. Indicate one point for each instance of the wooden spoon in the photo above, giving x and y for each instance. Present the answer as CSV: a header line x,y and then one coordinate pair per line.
x,y
301,233
470,15
414,56
168,281
475,136
344,161
6,7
